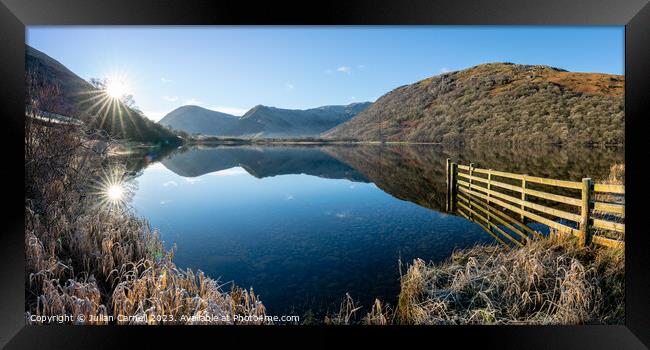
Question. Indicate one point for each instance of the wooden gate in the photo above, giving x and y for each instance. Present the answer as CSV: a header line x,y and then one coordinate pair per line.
x,y
502,203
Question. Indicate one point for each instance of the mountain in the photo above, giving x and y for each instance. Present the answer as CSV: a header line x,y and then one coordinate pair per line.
x,y
497,102
195,119
262,121
79,99
260,162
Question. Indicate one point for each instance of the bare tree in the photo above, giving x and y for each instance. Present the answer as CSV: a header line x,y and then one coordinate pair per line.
x,y
126,99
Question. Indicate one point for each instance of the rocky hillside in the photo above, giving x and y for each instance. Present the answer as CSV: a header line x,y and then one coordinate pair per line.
x,y
497,102
195,119
262,121
278,122
78,99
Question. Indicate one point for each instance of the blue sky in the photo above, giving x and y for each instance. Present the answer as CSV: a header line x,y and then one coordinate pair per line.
x,y
233,69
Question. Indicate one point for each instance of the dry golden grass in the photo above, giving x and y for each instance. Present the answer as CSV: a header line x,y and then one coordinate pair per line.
x,y
85,257
379,314
616,176
346,313
550,281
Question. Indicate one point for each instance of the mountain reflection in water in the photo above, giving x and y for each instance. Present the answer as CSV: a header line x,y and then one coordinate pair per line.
x,y
303,225
415,173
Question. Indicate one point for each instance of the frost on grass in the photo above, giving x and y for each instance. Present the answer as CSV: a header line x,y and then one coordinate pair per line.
x,y
550,281
91,260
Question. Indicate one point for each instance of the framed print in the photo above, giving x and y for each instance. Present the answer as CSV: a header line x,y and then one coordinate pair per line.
x,y
229,171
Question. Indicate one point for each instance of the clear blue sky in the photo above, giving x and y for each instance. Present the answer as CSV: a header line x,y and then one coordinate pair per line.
x,y
232,69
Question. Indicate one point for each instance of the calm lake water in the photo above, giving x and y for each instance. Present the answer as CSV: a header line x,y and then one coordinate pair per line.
x,y
303,225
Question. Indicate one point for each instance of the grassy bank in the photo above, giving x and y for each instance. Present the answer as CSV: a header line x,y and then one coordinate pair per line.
x,y
550,281
89,259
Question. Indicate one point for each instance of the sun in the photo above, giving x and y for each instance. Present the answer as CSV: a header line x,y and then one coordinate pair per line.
x,y
116,88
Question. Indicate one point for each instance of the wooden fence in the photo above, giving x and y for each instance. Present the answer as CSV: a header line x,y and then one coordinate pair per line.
x,y
503,202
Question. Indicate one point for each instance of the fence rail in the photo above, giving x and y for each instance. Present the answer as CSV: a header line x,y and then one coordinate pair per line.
x,y
501,200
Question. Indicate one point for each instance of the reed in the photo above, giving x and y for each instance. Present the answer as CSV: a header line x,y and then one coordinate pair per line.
x,y
94,260
553,280
549,281
379,314
346,313
616,176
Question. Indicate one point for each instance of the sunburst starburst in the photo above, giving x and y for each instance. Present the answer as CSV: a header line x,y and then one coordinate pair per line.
x,y
113,189
116,88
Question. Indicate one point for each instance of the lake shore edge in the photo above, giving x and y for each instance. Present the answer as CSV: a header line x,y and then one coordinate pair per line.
x,y
90,260
124,280
216,141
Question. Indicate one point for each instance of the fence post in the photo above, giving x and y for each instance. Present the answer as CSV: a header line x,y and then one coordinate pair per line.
x,y
523,199
452,173
448,172
469,198
585,234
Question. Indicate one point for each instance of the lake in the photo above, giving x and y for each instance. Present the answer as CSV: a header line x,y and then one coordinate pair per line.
x,y
304,225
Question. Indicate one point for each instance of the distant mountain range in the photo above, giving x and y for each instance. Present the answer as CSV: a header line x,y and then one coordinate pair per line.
x,y
260,162
195,119
488,103
261,121
79,99
497,102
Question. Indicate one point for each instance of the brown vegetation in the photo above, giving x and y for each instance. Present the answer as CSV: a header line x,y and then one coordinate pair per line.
x,y
348,313
616,176
553,280
89,256
497,103
550,281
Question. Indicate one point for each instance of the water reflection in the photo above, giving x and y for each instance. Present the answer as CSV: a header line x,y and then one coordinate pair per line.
x,y
305,225
415,173
260,162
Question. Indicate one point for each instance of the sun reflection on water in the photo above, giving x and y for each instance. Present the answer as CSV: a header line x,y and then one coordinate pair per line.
x,y
115,192
113,189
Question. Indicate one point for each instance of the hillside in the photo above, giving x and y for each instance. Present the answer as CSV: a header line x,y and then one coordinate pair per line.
x,y
195,119
262,121
260,162
79,99
497,102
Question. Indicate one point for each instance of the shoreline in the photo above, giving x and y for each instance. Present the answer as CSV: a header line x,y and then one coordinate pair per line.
x,y
106,294
89,257
238,142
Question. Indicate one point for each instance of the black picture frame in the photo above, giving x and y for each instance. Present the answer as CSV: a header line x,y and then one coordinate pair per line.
x,y
633,14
